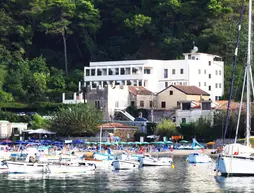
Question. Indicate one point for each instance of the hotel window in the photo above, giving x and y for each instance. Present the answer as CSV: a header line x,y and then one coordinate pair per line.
x,y
189,56
216,72
166,84
181,71
128,71
181,83
87,72
99,72
199,71
165,73
216,85
117,104
173,71
140,83
219,72
171,92
141,103
204,83
116,71
204,71
128,82
209,63
151,104
209,76
132,103
122,71
193,57
94,85
163,104
93,72
199,84
219,85
209,88
147,71
183,120
110,72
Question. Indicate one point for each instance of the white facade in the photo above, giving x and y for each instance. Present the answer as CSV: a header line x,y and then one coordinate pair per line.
x,y
193,114
205,71
7,129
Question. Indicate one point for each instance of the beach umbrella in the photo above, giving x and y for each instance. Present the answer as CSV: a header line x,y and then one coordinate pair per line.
x,y
159,142
106,143
211,143
144,143
77,141
184,141
168,142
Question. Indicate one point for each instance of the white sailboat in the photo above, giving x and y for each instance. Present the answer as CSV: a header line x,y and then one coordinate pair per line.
x,y
237,159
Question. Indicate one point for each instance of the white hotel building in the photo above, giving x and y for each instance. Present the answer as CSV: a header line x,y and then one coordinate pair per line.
x,y
205,71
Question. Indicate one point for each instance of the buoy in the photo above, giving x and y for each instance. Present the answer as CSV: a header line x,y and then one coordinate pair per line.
x,y
173,166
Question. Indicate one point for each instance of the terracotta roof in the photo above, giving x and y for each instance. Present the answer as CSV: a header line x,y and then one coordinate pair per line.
x,y
223,105
115,125
189,90
139,90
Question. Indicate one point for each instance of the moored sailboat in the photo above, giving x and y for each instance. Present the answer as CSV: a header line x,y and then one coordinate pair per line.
x,y
237,159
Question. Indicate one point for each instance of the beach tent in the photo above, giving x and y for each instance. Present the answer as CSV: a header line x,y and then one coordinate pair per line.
x,y
41,131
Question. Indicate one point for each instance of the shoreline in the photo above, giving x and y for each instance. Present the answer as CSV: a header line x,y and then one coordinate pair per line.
x,y
179,153
184,152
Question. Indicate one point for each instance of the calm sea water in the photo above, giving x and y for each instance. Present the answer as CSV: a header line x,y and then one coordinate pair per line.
x,y
184,177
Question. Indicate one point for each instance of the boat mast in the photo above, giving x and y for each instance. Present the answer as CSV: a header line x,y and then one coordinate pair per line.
x,y
248,68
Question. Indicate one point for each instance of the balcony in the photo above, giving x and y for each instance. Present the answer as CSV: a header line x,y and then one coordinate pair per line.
x,y
77,98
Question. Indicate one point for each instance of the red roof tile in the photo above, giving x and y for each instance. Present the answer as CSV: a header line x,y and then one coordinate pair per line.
x,y
139,90
189,90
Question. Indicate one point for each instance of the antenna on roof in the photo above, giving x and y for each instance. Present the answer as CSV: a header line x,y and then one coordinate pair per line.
x,y
195,48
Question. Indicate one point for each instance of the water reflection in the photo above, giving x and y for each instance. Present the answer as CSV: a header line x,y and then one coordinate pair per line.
x,y
236,184
184,177
200,178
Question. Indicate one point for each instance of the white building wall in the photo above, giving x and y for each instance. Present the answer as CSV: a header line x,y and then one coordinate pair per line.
x,y
207,74
117,98
196,70
192,115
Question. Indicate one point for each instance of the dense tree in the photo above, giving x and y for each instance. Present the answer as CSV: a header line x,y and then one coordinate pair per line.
x,y
76,119
166,128
42,39
38,122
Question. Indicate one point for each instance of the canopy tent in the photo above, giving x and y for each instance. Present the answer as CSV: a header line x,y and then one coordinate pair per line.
x,y
41,131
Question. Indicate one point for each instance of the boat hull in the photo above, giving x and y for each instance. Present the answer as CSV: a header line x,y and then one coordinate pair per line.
x,y
155,162
235,166
198,158
62,169
124,165
26,168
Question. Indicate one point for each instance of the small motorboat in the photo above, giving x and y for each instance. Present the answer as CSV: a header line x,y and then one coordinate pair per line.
x,y
148,160
70,167
198,158
26,168
125,164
